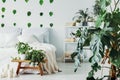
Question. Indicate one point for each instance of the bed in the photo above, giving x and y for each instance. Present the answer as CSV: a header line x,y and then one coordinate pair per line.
x,y
37,38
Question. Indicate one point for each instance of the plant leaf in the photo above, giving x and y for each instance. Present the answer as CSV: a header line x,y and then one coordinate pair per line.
x,y
26,1
50,13
51,1
3,1
41,2
14,11
3,9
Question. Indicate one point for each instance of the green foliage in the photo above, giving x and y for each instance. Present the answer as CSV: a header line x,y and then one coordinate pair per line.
x,y
51,1
41,2
50,13
14,11
41,13
3,9
23,48
106,33
28,13
26,1
29,25
36,56
14,0
3,1
2,25
76,56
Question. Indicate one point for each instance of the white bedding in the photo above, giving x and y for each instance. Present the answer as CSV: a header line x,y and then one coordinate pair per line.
x,y
50,66
5,58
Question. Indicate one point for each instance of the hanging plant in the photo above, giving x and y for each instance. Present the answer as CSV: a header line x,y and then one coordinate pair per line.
x,y
3,1
51,1
41,25
41,2
29,25
28,13
51,24
3,9
50,13
14,24
2,25
14,11
41,13
26,1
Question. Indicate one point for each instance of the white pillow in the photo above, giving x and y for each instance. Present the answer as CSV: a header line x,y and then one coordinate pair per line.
x,y
8,40
27,38
11,40
42,34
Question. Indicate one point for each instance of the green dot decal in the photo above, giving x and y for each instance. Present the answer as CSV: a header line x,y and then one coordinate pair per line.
x,y
14,24
41,2
41,13
29,25
14,11
2,25
51,1
51,24
50,13
28,13
3,1
41,25
3,9
2,16
26,1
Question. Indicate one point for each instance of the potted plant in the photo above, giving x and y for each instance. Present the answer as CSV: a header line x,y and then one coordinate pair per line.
x,y
105,39
36,56
83,15
23,49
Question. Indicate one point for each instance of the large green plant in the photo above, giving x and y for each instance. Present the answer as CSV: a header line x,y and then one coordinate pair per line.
x,y
106,34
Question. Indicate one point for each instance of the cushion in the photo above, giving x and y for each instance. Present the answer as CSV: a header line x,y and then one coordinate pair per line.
x,y
8,40
42,34
27,38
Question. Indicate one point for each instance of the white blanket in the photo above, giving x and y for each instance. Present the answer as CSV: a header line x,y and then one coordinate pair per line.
x,y
51,65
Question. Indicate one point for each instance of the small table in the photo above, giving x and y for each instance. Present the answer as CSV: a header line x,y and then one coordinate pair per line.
x,y
39,67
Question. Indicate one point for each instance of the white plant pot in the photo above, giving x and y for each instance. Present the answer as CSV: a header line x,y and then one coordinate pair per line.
x,y
22,56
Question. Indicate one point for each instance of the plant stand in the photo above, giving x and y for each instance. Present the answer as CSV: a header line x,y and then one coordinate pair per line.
x,y
39,67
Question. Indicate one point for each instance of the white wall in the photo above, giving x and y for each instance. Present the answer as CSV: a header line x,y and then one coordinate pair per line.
x,y
64,10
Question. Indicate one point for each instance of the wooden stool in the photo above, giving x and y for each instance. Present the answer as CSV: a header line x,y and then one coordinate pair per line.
x,y
39,67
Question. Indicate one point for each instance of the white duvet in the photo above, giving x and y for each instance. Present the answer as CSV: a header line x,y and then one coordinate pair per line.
x,y
51,65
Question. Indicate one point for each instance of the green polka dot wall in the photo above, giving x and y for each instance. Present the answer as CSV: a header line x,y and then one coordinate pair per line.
x,y
28,13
